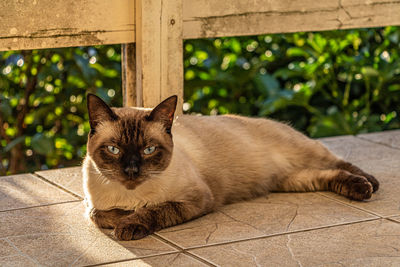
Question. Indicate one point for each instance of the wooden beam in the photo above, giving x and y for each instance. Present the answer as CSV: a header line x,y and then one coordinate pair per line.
x,y
216,18
48,24
128,74
159,52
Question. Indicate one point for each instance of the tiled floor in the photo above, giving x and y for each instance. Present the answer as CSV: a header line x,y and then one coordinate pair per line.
x,y
42,223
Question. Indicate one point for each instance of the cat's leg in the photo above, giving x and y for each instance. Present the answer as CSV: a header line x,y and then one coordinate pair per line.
x,y
146,220
343,165
339,181
107,218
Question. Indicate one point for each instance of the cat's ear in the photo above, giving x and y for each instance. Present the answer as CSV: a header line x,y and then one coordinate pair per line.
x,y
164,112
99,111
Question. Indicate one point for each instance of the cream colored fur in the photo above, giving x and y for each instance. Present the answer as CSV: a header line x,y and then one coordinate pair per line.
x,y
217,160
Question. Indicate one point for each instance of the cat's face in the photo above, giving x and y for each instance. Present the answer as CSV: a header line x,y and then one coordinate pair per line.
x,y
130,145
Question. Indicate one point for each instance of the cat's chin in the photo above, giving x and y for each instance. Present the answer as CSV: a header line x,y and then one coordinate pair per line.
x,y
131,185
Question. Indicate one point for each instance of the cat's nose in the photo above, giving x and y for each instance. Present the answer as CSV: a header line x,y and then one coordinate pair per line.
x,y
131,170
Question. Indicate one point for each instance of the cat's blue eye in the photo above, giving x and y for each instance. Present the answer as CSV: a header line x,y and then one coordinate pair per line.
x,y
149,150
113,150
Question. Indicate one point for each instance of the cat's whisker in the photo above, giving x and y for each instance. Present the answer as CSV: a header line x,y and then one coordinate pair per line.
x,y
100,172
153,173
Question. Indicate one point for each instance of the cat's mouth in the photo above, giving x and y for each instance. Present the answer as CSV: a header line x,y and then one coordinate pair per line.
x,y
129,182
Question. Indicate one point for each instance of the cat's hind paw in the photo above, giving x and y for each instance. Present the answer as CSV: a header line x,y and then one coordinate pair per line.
x,y
373,181
352,186
360,188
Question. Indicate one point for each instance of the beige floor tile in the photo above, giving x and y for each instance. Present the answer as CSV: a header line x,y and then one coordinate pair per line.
x,y
26,190
374,243
390,138
274,214
10,256
68,178
260,252
122,250
6,249
60,218
381,161
210,229
60,235
16,261
176,260
370,156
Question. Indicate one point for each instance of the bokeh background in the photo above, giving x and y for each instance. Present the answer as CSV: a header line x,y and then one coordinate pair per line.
x,y
322,83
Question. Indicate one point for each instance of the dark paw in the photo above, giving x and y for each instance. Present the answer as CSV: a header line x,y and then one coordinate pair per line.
x,y
373,181
130,231
358,172
359,188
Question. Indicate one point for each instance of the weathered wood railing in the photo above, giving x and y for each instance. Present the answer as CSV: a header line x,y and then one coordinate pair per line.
x,y
152,31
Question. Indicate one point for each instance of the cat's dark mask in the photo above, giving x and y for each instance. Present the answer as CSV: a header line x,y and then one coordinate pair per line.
x,y
130,145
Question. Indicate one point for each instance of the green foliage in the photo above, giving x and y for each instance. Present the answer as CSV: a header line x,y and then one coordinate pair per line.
x,y
328,83
43,119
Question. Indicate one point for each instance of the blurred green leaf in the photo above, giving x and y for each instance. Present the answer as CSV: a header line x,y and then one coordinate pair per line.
x,y
368,71
14,142
5,108
296,52
42,144
267,83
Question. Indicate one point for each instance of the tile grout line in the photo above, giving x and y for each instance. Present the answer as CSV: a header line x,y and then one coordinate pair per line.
x,y
84,252
391,216
172,244
153,256
376,142
43,205
283,233
392,220
136,258
349,205
180,249
203,260
20,252
57,185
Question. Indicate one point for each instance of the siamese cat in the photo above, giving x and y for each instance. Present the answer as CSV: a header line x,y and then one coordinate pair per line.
x,y
145,171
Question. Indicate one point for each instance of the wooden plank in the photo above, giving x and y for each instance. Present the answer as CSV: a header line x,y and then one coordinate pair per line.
x,y
172,51
214,18
159,62
48,24
128,74
373,13
148,32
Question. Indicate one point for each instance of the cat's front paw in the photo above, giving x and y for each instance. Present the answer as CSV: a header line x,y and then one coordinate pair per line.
x,y
97,216
129,231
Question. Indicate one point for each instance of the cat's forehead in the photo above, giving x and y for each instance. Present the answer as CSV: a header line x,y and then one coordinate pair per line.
x,y
129,130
